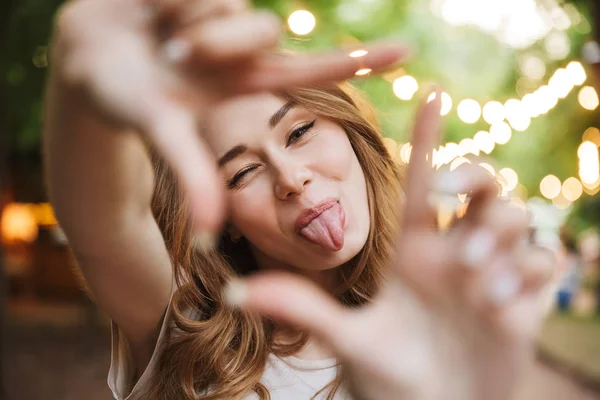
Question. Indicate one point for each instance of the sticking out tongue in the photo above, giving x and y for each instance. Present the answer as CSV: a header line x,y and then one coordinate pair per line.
x,y
327,230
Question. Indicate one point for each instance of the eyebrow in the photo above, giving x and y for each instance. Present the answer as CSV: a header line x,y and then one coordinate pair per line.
x,y
231,154
241,149
278,116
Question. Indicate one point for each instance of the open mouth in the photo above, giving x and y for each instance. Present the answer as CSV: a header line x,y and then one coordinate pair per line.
x,y
323,224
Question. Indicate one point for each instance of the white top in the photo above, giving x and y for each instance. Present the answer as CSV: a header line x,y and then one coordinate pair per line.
x,y
286,378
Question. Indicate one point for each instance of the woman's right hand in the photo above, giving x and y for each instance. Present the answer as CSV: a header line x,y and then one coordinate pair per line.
x,y
155,67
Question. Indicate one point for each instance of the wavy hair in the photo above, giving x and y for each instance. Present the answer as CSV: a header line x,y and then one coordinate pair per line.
x,y
222,353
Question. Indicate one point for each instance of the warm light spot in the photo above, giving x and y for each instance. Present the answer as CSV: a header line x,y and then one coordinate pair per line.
x,y
531,104
572,189
405,151
484,141
363,71
469,111
561,202
500,132
446,102
452,150
358,53
533,67
550,187
576,72
592,134
302,22
588,98
561,83
587,150
511,177
493,112
18,224
468,146
405,87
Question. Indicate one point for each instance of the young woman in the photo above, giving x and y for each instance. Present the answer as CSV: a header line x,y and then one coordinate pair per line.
x,y
310,198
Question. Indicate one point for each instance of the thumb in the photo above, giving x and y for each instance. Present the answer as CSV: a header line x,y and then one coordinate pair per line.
x,y
291,299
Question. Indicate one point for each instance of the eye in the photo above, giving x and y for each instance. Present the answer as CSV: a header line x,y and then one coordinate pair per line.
x,y
297,133
237,178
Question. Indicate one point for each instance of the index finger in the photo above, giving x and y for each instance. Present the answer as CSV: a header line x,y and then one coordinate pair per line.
x,y
426,134
280,71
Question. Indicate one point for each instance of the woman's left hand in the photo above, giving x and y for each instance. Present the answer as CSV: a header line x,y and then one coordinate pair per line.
x,y
456,319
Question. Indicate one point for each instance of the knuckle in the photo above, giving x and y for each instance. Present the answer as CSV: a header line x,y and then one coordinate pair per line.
x,y
71,18
66,22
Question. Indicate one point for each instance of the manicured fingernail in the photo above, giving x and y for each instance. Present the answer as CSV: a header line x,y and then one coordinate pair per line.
x,y
205,241
450,182
478,248
235,293
177,50
504,287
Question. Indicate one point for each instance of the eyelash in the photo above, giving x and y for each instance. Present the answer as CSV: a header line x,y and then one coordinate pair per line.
x,y
294,136
300,131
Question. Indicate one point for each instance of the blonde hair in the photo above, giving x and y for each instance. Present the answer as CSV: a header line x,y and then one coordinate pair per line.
x,y
222,355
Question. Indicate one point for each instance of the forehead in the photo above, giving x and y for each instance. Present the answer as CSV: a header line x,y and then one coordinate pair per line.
x,y
239,119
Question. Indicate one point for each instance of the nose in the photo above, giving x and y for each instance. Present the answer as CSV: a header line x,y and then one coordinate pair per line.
x,y
291,179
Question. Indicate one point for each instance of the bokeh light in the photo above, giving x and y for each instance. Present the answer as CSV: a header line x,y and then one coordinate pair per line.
x,y
591,134
18,224
588,98
302,22
576,72
405,151
405,87
550,186
501,132
363,71
511,177
484,141
572,189
493,112
358,53
446,102
532,67
469,111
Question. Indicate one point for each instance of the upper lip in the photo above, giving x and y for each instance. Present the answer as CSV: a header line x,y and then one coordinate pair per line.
x,y
307,215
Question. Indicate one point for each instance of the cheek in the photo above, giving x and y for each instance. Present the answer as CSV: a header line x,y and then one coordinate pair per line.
x,y
253,210
333,155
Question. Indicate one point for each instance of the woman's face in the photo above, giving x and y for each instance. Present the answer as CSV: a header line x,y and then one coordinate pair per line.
x,y
296,190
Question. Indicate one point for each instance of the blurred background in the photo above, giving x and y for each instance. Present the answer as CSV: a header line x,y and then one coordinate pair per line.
x,y
520,81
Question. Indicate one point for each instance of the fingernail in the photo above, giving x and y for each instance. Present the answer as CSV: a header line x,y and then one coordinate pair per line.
x,y
204,241
448,182
235,293
478,248
504,287
177,50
